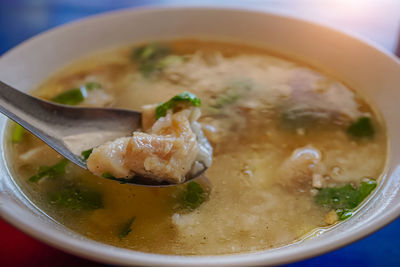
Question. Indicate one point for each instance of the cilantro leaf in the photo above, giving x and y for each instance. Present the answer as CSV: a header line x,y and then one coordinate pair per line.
x,y
185,97
50,171
361,128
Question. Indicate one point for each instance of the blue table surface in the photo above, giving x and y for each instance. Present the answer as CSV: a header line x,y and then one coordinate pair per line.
x,y
22,19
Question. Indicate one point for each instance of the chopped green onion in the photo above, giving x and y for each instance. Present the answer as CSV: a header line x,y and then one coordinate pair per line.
x,y
126,228
50,171
361,128
17,133
184,97
85,154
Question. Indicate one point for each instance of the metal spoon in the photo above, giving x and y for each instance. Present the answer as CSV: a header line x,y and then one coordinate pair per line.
x,y
71,130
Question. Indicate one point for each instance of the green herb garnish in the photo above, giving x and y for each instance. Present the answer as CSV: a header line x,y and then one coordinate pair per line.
x,y
92,85
17,133
85,154
50,171
232,93
76,198
361,128
185,97
193,196
107,175
126,228
148,68
344,213
75,96
170,60
345,198
150,52
153,58
71,97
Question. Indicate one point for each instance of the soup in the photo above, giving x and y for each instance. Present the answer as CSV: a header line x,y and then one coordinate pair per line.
x,y
294,151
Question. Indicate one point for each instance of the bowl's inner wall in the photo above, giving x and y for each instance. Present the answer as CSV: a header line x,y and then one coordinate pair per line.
x,y
361,66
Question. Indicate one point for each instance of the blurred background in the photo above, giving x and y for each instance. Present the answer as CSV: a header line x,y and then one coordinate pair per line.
x,y
374,20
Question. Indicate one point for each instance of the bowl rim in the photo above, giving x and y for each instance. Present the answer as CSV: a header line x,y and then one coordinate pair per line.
x,y
128,257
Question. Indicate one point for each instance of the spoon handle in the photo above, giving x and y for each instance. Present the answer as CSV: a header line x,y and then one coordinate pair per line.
x,y
35,115
54,123
28,111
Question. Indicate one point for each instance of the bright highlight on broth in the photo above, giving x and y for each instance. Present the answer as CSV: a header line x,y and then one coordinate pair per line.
x,y
293,149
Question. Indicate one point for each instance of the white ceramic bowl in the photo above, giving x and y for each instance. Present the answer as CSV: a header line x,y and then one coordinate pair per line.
x,y
375,73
